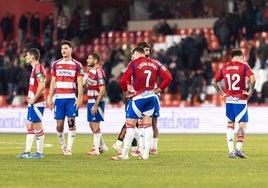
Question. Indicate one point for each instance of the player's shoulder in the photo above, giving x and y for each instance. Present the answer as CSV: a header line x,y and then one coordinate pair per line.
x,y
56,61
76,61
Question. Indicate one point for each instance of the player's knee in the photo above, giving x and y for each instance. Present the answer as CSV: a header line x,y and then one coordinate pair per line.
x,y
59,129
71,123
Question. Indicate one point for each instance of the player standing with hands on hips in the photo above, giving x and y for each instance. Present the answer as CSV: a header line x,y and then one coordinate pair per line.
x,y
237,75
66,82
36,106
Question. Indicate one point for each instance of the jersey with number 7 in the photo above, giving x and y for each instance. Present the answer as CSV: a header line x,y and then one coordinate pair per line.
x,y
145,73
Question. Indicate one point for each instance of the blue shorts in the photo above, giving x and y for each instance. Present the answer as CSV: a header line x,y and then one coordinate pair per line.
x,y
157,107
35,114
65,107
143,106
237,112
99,116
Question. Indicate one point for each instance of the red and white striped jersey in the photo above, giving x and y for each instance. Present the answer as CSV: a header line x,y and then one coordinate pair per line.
x,y
96,78
38,74
66,73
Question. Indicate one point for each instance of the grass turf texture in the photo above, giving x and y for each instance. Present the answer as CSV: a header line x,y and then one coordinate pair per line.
x,y
183,160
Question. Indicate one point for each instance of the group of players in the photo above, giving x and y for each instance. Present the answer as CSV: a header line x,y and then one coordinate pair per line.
x,y
65,98
142,83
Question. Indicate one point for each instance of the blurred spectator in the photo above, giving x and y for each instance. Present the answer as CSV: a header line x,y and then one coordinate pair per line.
x,y
222,32
47,38
251,56
208,12
196,87
12,72
73,29
262,52
23,26
265,17
84,28
48,22
35,26
201,42
248,20
152,9
207,67
162,28
62,24
3,77
233,22
197,8
114,91
7,27
264,93
23,79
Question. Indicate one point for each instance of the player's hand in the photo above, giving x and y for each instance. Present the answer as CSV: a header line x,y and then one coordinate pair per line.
x,y
129,94
224,96
78,104
50,103
93,110
248,94
31,101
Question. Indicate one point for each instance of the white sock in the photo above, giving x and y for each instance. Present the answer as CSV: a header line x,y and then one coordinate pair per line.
x,y
96,140
141,139
119,143
71,135
230,139
128,140
61,139
40,141
137,133
148,140
155,143
239,146
102,143
29,142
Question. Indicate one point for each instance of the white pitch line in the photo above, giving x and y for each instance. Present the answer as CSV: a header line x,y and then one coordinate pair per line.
x,y
7,145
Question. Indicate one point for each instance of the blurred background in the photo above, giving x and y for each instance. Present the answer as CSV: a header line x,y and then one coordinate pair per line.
x,y
192,38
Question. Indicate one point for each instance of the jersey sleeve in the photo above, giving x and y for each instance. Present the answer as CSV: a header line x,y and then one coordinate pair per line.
x,y
126,77
166,78
100,77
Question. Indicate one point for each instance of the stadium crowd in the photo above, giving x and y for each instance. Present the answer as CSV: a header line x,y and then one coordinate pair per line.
x,y
190,61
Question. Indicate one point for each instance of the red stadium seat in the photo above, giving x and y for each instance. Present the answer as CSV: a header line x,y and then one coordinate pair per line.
x,y
3,100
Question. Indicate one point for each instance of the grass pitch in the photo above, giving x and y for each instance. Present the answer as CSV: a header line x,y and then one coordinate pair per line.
x,y
183,160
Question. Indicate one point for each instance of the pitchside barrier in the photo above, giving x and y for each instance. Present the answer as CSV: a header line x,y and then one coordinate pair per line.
x,y
173,120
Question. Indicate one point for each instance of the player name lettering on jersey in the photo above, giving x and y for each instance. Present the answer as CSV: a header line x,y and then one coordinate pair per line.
x,y
232,67
146,64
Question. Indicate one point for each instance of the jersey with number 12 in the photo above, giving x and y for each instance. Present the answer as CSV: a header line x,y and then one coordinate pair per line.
x,y
235,76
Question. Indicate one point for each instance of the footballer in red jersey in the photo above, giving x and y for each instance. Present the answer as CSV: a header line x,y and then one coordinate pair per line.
x,y
36,106
239,83
96,89
144,73
66,86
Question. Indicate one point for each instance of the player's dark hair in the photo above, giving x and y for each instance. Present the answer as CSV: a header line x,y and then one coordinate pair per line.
x,y
67,42
35,52
95,56
144,45
236,52
138,49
